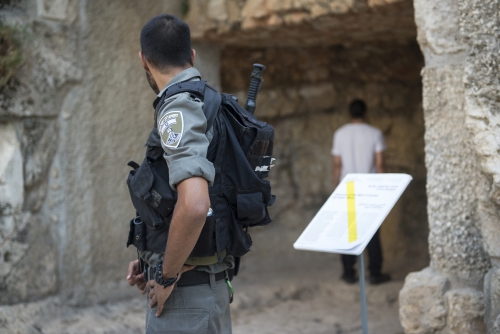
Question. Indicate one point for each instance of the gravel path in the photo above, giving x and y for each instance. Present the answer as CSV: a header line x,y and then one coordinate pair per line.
x,y
317,304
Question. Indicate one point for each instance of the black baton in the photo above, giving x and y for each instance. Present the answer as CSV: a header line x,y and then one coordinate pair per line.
x,y
255,86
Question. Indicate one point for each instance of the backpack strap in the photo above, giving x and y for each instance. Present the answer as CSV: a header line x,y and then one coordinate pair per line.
x,y
209,95
194,87
212,100
219,158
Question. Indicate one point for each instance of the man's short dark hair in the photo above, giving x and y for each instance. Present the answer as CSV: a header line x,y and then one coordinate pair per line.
x,y
357,108
166,42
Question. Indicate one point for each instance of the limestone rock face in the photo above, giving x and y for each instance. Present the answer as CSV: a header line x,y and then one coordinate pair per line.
x,y
208,62
11,201
480,29
56,144
27,252
496,326
460,42
422,302
465,311
438,36
482,86
40,147
30,271
455,241
50,69
58,10
11,172
304,22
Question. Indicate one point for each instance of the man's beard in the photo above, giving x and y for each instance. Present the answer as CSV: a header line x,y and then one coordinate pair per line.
x,y
152,83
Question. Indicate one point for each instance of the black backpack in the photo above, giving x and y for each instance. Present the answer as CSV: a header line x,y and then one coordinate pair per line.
x,y
240,150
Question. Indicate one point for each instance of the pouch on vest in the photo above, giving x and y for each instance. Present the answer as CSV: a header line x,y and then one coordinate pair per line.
x,y
150,191
154,201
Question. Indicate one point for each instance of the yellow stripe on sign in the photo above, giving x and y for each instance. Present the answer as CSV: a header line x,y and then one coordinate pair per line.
x,y
351,213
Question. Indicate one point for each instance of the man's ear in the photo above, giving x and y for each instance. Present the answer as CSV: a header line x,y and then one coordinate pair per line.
x,y
144,62
193,56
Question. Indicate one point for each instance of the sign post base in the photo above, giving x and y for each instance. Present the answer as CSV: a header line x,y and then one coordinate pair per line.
x,y
364,316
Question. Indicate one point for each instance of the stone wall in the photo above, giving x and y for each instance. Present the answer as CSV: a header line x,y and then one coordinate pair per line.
x,y
252,23
77,111
305,97
30,123
457,294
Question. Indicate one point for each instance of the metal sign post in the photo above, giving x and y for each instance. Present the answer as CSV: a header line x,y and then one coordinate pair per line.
x,y
364,316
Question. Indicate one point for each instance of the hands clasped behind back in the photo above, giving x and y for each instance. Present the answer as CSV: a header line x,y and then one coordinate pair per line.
x,y
158,295
136,277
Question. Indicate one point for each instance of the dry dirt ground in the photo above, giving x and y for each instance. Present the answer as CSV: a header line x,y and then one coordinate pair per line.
x,y
302,301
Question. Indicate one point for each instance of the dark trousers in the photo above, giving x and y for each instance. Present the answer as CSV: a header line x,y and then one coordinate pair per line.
x,y
374,256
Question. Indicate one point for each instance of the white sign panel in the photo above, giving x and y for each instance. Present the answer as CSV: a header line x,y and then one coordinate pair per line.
x,y
353,213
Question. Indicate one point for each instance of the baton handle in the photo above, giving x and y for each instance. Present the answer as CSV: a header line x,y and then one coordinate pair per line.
x,y
255,86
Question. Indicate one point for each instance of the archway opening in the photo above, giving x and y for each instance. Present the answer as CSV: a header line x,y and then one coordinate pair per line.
x,y
305,96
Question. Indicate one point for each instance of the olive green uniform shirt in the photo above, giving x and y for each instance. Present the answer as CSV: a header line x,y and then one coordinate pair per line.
x,y
182,127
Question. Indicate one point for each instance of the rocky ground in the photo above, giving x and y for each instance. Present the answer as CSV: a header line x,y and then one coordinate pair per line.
x,y
308,302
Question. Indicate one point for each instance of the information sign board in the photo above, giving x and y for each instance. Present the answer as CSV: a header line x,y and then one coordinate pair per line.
x,y
353,213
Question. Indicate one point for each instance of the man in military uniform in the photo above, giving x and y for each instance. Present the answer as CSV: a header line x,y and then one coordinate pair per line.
x,y
167,59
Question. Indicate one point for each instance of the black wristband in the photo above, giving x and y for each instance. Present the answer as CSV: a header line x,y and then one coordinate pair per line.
x,y
159,276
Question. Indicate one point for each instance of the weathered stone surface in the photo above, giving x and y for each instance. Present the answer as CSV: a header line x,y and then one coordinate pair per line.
x,y
40,145
461,105
218,9
496,326
253,9
455,241
13,247
438,32
465,311
35,196
482,103
479,23
374,3
480,27
11,172
107,119
489,219
208,61
60,10
379,65
492,297
27,319
318,97
422,304
51,95
51,69
478,18
276,102
28,262
299,23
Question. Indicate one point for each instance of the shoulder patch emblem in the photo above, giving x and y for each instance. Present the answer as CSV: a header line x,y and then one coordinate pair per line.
x,y
171,127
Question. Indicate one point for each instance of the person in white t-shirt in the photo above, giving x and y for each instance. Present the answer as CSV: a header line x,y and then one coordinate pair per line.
x,y
358,148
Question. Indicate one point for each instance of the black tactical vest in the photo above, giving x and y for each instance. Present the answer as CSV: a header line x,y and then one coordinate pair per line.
x,y
240,150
